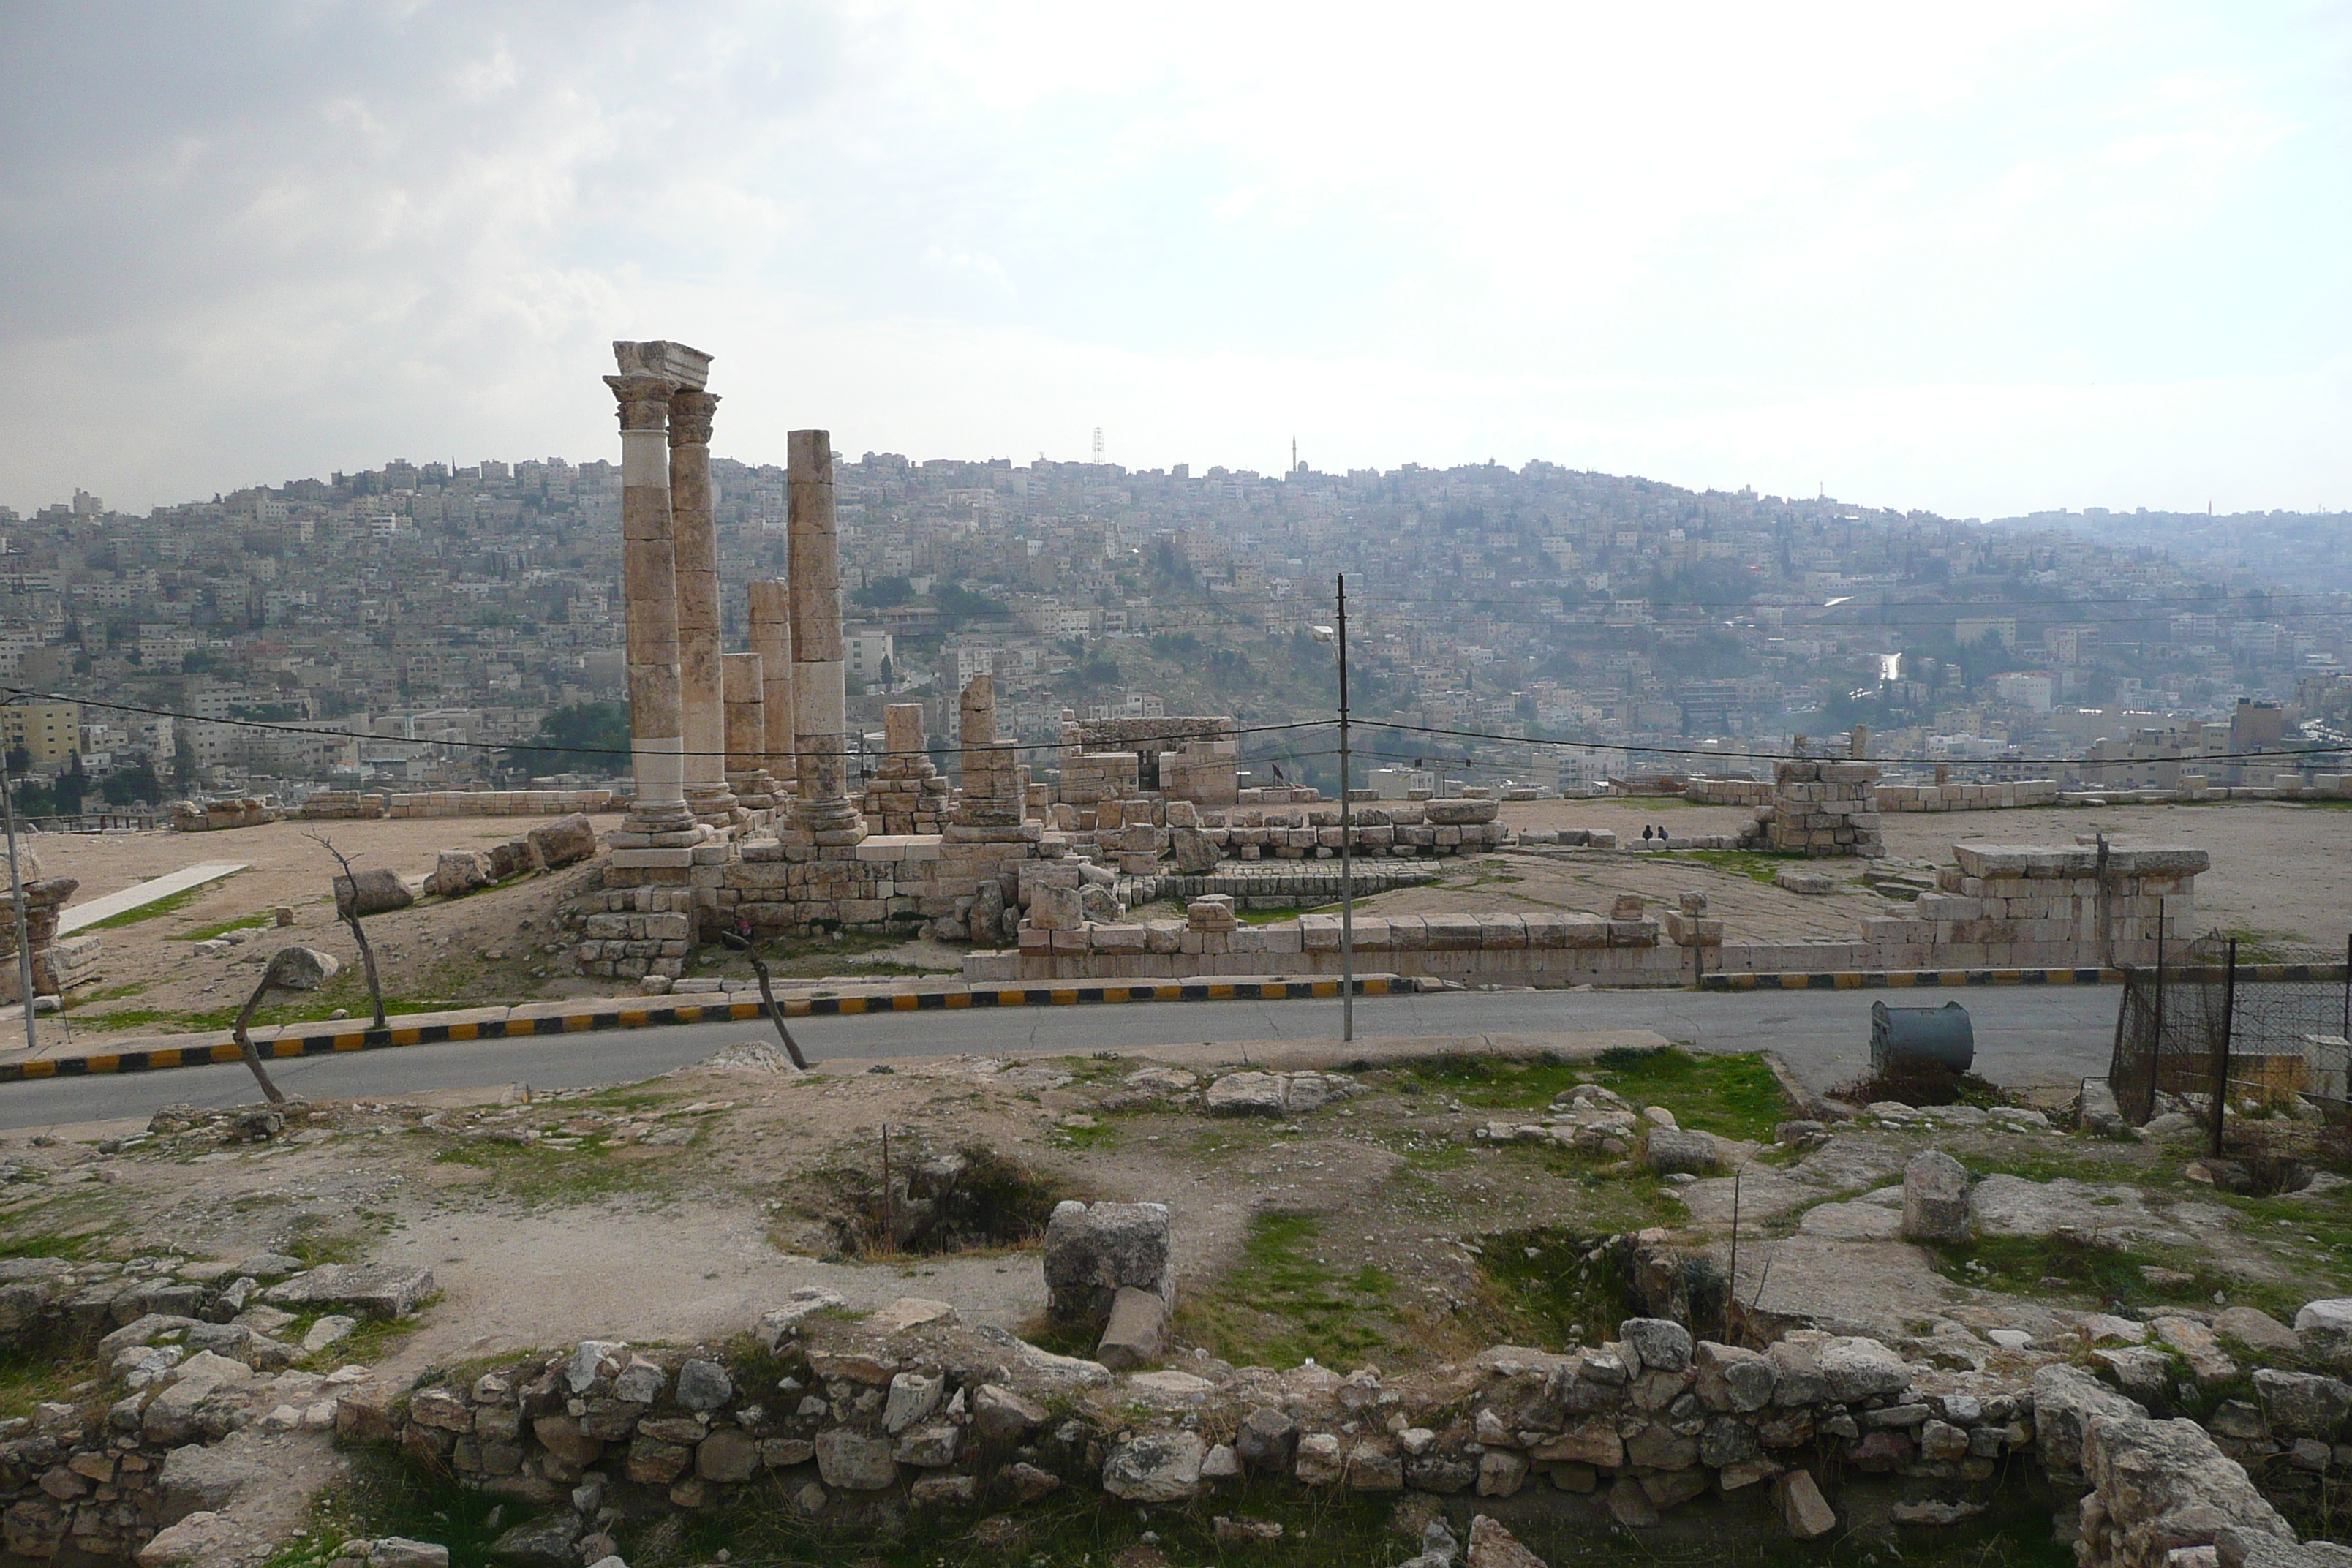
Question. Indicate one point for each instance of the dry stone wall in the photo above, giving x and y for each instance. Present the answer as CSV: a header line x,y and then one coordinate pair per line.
x,y
338,805
2019,907
872,1423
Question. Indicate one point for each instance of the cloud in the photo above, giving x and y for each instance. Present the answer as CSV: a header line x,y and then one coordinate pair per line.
x,y
1965,262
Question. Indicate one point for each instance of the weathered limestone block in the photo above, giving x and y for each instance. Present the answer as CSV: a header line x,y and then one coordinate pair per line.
x,y
1092,1253
1934,1198
374,892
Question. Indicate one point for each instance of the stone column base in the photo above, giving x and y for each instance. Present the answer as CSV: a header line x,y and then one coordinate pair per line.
x,y
713,806
664,824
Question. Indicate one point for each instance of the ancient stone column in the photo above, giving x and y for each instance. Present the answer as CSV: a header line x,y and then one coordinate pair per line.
x,y
902,728
648,589
978,706
819,697
772,639
746,730
992,768
694,533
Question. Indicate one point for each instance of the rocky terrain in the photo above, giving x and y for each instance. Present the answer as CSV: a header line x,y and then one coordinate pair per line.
x,y
1377,1219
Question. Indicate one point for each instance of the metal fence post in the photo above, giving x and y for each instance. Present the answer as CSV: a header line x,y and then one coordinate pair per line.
x,y
2221,1051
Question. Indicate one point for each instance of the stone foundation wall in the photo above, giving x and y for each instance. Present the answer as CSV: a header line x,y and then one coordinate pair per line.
x,y
215,816
332,805
1822,809
2013,907
2022,907
60,964
869,1424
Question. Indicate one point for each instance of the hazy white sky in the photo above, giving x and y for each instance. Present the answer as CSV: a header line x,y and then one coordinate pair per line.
x,y
1975,258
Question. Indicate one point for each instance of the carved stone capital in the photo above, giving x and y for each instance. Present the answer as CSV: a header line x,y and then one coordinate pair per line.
x,y
674,363
689,417
644,399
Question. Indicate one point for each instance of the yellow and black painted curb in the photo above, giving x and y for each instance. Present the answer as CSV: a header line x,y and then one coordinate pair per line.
x,y
343,1037
1927,979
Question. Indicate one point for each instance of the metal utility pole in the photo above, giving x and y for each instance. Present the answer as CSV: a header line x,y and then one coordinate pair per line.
x,y
1346,844
16,896
2221,1047
1339,633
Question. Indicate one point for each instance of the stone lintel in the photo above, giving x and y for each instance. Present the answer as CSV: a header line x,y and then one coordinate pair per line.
x,y
689,368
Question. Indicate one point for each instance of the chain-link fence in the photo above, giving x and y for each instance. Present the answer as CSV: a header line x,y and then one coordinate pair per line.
x,y
2263,1032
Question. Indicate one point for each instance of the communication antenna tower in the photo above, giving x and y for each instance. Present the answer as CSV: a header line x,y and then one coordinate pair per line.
x,y
1098,443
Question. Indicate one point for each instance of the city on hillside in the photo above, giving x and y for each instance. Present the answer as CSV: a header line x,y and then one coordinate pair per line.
x,y
424,627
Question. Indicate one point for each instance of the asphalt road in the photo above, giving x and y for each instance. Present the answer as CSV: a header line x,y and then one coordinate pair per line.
x,y
2024,1035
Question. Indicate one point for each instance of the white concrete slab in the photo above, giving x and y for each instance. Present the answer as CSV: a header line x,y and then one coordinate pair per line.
x,y
78,916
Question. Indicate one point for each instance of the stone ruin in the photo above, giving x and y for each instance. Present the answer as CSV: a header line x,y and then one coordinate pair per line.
x,y
1821,809
907,1415
744,819
60,964
743,815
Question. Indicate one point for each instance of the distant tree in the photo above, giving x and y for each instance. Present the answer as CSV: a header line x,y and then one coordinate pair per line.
x,y
884,593
958,603
184,757
596,735
125,785
198,662
889,676
72,785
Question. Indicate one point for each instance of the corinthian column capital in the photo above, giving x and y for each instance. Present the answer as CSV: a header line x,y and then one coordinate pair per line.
x,y
644,400
689,417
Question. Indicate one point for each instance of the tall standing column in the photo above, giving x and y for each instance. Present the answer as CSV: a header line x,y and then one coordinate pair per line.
x,y
747,731
649,593
702,685
819,697
772,639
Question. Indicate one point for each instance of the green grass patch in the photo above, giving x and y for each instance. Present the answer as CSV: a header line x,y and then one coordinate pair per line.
x,y
2021,1266
170,903
534,1172
1280,1304
1756,864
1551,1296
814,957
1276,917
310,1011
31,1379
222,928
384,1497
369,1343
1736,1096
46,1244
1321,1527
1103,1134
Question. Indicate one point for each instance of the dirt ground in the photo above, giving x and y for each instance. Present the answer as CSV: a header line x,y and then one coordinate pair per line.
x,y
1382,1227
500,946
2281,869
2282,877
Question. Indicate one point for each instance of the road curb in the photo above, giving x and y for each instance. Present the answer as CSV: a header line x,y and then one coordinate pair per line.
x,y
608,1015
1932,979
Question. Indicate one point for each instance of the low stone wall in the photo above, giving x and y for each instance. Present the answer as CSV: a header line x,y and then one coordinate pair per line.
x,y
1406,828
1967,796
1728,791
190,1364
864,1424
1821,809
2027,906
60,964
2001,908
1275,885
217,815
332,805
